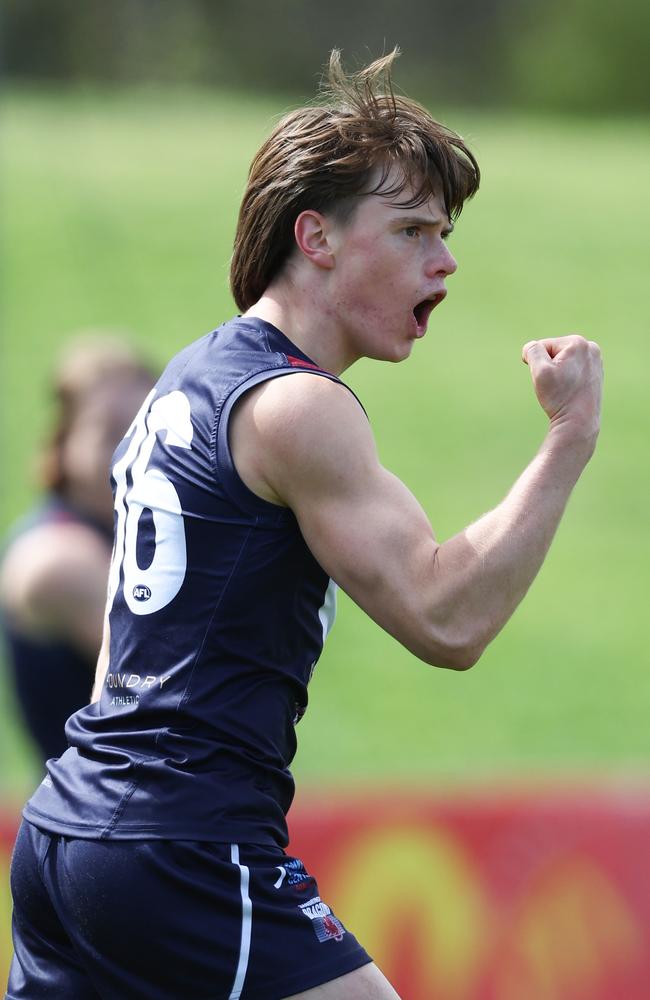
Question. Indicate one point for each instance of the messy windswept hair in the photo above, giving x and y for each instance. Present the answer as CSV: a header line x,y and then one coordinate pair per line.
x,y
323,156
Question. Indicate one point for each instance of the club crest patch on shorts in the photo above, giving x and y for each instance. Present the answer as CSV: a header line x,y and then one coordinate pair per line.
x,y
326,926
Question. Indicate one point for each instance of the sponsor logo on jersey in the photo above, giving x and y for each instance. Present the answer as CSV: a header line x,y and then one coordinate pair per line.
x,y
121,680
125,701
326,926
141,592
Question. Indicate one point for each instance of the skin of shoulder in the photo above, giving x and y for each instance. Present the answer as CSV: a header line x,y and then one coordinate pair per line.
x,y
291,430
304,442
53,584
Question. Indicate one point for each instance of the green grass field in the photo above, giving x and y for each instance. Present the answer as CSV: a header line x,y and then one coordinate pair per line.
x,y
118,211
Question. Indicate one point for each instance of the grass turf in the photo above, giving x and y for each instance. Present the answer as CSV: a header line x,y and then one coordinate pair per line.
x,y
119,209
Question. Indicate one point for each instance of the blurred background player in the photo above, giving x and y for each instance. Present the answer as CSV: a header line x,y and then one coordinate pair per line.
x,y
55,566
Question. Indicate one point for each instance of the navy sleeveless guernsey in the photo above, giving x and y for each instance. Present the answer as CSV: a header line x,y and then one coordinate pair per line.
x,y
218,614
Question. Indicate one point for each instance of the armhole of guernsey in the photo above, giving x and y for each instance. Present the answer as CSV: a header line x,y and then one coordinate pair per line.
x,y
224,465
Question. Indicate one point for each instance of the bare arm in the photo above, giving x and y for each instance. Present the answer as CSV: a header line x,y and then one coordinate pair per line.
x,y
303,441
53,585
102,660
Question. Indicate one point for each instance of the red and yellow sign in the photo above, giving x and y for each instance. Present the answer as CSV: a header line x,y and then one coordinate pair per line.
x,y
530,896
8,825
500,897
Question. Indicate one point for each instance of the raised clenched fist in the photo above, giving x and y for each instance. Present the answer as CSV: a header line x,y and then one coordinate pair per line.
x,y
567,374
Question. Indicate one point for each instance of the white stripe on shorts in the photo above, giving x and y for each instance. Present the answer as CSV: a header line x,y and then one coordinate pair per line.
x,y
246,925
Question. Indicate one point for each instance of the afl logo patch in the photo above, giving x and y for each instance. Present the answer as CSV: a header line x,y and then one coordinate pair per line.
x,y
141,593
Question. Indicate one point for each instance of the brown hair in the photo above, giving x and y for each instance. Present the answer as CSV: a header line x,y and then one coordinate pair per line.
x,y
89,361
321,157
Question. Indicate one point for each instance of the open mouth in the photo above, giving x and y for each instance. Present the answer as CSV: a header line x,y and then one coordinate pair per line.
x,y
423,310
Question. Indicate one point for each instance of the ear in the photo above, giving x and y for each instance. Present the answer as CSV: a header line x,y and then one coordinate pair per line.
x,y
310,231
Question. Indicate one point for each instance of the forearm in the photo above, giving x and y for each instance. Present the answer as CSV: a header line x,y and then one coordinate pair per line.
x,y
368,532
482,573
102,661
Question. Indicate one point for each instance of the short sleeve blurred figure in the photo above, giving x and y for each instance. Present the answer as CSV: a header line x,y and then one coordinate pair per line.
x,y
54,569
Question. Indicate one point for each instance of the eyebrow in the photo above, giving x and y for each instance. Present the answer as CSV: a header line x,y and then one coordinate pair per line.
x,y
419,220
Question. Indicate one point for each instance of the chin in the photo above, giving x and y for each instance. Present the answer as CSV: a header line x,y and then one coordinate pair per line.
x,y
394,349
393,357
401,352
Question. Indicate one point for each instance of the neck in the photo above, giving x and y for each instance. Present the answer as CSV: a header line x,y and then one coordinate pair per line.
x,y
309,321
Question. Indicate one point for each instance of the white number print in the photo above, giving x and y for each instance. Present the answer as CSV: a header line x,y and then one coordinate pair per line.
x,y
148,590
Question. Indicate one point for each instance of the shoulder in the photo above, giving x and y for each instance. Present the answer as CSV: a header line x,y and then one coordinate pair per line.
x,y
298,401
48,564
299,427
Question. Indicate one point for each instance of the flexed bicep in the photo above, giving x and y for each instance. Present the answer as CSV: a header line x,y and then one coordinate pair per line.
x,y
306,443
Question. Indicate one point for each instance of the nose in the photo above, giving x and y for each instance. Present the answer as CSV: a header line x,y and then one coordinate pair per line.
x,y
447,261
442,261
452,264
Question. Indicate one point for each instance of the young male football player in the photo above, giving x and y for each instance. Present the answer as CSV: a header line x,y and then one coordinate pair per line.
x,y
151,861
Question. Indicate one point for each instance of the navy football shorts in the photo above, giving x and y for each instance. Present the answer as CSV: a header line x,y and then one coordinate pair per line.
x,y
168,920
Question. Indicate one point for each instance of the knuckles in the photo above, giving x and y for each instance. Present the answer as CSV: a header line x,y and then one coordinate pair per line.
x,y
577,341
581,349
